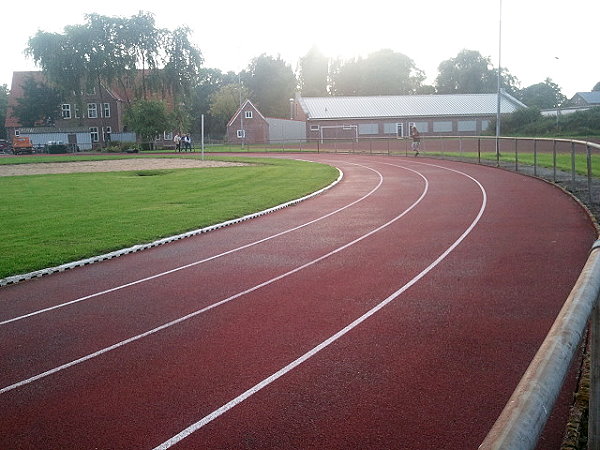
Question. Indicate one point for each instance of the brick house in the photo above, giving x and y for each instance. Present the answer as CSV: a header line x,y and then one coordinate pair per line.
x,y
98,121
249,126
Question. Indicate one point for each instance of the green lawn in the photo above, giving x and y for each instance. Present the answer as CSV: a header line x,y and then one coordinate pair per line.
x,y
52,219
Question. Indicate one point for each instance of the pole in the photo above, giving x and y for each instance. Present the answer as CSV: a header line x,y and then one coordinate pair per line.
x,y
202,132
499,84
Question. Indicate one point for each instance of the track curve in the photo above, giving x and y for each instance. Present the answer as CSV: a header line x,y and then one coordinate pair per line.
x,y
424,287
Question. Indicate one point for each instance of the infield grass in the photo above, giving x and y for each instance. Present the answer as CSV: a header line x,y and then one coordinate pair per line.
x,y
48,220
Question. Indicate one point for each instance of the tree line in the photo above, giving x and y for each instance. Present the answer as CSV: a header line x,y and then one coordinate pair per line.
x,y
135,53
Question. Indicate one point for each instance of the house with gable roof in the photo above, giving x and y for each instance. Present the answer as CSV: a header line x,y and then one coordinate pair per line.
x,y
249,126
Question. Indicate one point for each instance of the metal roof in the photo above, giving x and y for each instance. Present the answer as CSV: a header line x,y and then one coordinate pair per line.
x,y
407,106
591,98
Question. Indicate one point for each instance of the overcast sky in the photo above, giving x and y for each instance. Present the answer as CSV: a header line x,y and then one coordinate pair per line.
x,y
540,38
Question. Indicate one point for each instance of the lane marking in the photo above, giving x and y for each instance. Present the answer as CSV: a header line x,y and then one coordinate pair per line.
x,y
267,381
219,303
196,263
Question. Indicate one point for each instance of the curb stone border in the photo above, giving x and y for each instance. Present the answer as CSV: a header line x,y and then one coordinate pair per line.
x,y
139,247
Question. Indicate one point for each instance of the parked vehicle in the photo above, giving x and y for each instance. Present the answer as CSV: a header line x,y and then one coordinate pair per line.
x,y
5,147
22,144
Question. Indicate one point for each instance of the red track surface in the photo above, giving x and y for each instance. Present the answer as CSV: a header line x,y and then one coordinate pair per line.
x,y
474,263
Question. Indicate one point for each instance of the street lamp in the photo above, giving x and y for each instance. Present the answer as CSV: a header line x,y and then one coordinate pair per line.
x,y
499,86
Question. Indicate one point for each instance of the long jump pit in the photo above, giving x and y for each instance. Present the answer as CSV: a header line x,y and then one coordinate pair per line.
x,y
111,165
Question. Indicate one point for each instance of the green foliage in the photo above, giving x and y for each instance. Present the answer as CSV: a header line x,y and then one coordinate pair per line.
x,y
384,72
39,103
105,49
226,101
3,105
55,149
542,95
471,73
43,225
148,118
272,83
314,74
530,122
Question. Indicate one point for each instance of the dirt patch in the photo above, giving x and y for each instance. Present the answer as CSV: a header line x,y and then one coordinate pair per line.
x,y
109,166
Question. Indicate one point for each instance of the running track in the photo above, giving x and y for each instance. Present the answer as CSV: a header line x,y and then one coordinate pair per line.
x,y
397,310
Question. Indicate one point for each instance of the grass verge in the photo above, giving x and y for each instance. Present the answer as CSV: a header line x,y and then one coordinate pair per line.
x,y
53,219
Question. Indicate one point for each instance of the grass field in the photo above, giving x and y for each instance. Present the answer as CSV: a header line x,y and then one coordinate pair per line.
x,y
52,219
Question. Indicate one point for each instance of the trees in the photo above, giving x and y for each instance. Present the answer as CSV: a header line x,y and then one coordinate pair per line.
x,y
272,83
105,49
39,103
225,102
382,73
313,74
467,73
596,87
148,118
3,106
542,95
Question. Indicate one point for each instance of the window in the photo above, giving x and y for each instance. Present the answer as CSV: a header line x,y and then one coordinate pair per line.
x,y
66,111
368,128
314,128
106,109
76,108
442,127
241,134
422,127
467,125
92,111
248,115
94,134
485,125
107,132
389,128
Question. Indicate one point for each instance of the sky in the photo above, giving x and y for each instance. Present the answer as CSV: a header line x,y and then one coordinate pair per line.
x,y
538,39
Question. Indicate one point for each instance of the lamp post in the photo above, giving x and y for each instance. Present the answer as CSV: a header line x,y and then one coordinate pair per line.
x,y
499,96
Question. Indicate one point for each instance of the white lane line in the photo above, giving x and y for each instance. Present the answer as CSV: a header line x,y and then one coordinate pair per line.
x,y
214,305
196,263
261,385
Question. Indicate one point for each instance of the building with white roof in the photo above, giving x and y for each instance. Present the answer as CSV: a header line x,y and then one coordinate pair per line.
x,y
388,116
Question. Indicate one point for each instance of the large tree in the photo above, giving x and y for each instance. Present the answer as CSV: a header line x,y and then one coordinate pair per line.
x,y
210,81
542,95
3,106
272,83
39,103
314,74
148,118
384,72
471,73
224,103
107,49
596,87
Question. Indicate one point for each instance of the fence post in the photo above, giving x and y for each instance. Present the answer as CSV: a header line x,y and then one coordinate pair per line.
x,y
589,170
593,412
535,157
554,160
573,166
516,155
478,150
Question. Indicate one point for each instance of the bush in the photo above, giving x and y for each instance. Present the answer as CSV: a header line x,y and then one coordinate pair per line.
x,y
57,149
